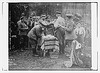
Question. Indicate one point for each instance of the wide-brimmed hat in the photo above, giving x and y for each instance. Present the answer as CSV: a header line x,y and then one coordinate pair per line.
x,y
69,15
77,15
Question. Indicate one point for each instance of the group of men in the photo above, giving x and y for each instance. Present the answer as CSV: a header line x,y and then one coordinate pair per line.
x,y
65,29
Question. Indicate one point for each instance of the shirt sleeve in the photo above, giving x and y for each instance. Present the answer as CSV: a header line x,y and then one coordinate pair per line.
x,y
59,22
56,23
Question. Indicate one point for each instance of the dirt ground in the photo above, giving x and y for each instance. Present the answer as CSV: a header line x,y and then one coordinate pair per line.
x,y
23,60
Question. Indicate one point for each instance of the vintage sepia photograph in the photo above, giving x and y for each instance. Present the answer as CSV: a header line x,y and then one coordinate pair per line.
x,y
49,36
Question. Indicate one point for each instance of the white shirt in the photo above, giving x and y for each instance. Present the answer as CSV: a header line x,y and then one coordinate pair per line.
x,y
59,22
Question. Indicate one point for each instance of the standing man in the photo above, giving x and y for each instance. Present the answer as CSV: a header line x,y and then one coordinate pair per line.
x,y
23,28
69,33
79,31
30,23
59,25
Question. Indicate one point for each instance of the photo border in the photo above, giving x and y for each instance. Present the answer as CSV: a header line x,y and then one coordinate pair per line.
x,y
91,39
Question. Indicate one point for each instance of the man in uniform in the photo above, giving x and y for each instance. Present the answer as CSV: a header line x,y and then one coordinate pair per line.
x,y
69,33
35,35
79,32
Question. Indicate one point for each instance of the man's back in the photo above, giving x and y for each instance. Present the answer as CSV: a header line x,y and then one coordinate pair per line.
x,y
34,32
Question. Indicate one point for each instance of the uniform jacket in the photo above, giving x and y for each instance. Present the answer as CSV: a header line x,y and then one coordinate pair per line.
x,y
35,32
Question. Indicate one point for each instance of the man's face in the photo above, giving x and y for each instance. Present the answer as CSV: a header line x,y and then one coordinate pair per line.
x,y
43,17
66,18
57,15
36,19
76,20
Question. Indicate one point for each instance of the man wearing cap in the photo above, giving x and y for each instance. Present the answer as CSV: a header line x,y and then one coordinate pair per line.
x,y
43,19
69,27
59,21
69,33
59,25
23,29
35,35
79,31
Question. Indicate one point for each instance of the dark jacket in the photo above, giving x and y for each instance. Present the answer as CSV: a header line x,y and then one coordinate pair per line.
x,y
22,27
